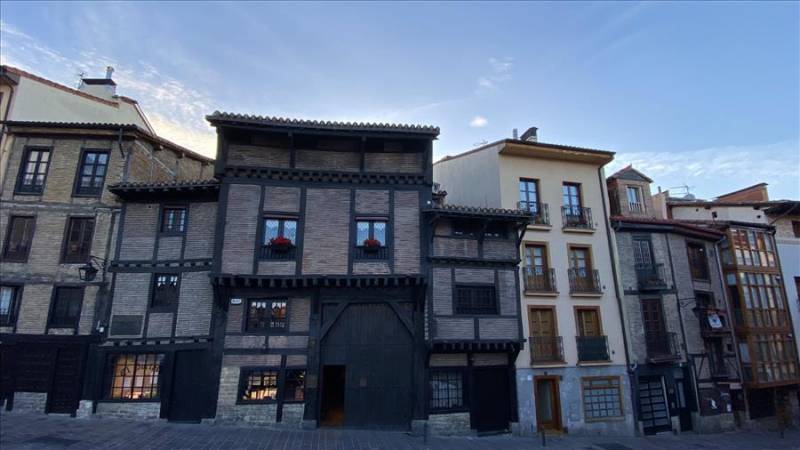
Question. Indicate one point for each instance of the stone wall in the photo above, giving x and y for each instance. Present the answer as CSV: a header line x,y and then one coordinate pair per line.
x,y
128,410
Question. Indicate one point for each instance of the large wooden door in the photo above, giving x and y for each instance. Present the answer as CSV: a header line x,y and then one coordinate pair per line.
x,y
544,342
66,386
491,399
376,349
588,322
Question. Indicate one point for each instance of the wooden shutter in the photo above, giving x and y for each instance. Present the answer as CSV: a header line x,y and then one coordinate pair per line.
x,y
588,322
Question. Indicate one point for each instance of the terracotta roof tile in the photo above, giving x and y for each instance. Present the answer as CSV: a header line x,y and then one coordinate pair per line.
x,y
218,116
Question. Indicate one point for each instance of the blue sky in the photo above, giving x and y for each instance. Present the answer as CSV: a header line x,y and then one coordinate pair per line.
x,y
703,94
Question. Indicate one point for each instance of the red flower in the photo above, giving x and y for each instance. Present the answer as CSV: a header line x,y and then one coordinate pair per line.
x,y
280,241
372,243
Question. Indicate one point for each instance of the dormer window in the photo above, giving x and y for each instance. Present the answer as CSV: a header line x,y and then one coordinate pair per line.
x,y
635,203
371,238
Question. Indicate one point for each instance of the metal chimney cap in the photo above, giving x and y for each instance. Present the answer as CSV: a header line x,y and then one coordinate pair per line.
x,y
109,71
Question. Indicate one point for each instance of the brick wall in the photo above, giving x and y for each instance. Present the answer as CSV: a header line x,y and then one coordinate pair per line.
x,y
139,231
328,160
372,201
240,228
327,239
394,162
200,230
407,224
195,305
259,156
282,199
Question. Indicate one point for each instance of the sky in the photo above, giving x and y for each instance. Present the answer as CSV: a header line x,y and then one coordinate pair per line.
x,y
704,95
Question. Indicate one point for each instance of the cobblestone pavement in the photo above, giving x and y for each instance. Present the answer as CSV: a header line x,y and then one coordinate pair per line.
x,y
23,431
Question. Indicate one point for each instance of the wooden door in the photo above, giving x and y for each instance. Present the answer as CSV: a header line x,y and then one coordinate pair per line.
x,y
544,339
588,323
490,410
191,396
654,328
66,386
548,404
653,409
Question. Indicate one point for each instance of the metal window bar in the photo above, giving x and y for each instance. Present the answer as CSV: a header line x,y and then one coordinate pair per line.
x,y
651,276
546,349
363,252
662,345
577,217
592,348
540,281
582,281
540,211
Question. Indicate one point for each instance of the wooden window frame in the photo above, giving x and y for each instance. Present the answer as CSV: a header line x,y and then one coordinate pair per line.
x,y
66,257
595,308
94,191
639,194
19,188
10,319
111,360
698,272
244,374
538,197
473,287
247,328
176,230
620,388
465,403
371,229
578,187
285,385
589,255
551,308
20,257
172,304
57,322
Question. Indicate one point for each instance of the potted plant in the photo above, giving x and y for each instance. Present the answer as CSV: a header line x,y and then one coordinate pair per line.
x,y
372,245
280,244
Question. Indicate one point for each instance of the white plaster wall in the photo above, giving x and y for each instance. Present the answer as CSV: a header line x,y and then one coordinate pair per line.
x,y
735,213
472,179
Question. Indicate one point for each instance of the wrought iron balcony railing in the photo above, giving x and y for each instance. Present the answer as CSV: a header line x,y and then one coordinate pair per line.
x,y
272,252
363,252
540,280
577,217
662,346
540,211
546,349
651,276
592,348
582,281
635,207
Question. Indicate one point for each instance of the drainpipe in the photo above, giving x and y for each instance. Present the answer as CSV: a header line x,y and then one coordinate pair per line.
x,y
614,272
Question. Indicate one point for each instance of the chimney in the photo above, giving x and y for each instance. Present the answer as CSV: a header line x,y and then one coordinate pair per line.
x,y
514,134
104,88
530,135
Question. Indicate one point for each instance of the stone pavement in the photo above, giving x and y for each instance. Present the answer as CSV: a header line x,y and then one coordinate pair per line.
x,y
25,431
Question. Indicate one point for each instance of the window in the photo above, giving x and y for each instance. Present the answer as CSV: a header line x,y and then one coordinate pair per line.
x,y
66,309
33,171
571,193
263,315
280,238
580,261
258,385
602,398
635,199
294,385
496,231
173,220
447,389
529,195
18,238
371,229
8,304
698,264
475,300
92,173
796,228
753,248
642,254
134,376
165,290
464,228
536,259
79,240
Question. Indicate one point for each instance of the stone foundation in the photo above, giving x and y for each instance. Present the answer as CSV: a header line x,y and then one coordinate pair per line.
x,y
30,402
449,424
129,410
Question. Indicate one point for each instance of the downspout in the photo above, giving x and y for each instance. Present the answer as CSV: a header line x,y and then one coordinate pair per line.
x,y
683,329
3,133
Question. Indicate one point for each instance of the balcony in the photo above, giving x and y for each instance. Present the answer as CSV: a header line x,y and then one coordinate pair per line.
x,y
582,281
371,253
662,347
719,370
635,207
651,276
544,281
592,348
540,211
577,217
546,349
713,323
278,253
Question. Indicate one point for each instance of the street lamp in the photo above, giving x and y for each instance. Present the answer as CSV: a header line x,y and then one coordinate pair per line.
x,y
88,271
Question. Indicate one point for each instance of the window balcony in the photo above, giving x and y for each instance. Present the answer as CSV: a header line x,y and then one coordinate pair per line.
x,y
577,217
540,211
651,276
278,253
582,281
544,281
371,253
592,348
662,347
635,207
546,349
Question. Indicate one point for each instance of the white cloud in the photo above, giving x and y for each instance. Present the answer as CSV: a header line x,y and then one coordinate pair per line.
x,y
500,73
716,170
478,122
174,108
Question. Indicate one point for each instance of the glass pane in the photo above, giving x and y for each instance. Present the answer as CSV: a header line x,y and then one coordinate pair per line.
x,y
290,230
379,232
102,158
270,229
362,232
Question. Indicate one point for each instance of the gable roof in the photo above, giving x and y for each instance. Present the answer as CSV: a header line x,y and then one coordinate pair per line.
x,y
283,122
756,188
629,173
538,149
